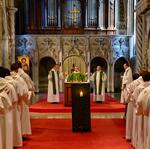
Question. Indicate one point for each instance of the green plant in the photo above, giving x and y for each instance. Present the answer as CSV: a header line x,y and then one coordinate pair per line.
x,y
76,77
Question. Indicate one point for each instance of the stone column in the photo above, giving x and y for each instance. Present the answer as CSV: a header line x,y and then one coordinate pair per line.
x,y
5,55
108,77
11,32
35,68
88,64
101,14
60,54
112,76
1,33
139,39
111,13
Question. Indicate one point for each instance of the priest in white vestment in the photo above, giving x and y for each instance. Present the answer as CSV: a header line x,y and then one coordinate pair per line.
x,y
27,79
99,79
17,134
9,89
143,108
139,120
126,79
5,107
53,85
23,101
128,99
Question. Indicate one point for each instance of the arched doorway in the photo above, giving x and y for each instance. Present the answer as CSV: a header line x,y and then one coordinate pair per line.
x,y
76,61
45,65
118,71
98,61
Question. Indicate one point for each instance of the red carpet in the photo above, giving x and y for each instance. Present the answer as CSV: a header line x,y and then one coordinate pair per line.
x,y
57,134
110,105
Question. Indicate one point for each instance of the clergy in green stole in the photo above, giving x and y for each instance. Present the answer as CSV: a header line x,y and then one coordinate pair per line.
x,y
53,85
99,78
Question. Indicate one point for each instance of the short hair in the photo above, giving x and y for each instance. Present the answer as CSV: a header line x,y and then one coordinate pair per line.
x,y
14,67
127,64
2,72
135,76
19,64
146,76
7,72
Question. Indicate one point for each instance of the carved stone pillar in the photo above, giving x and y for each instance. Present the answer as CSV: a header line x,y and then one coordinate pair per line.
x,y
1,33
36,69
60,55
11,32
111,15
101,14
5,55
88,57
139,38
111,78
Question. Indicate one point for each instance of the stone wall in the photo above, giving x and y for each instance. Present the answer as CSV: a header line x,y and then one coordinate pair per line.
x,y
60,47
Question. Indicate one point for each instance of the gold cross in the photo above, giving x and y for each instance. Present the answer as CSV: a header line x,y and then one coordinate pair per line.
x,y
74,13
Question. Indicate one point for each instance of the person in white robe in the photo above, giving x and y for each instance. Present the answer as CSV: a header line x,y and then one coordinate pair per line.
x,y
131,110
9,89
143,108
126,79
129,114
26,77
17,134
61,81
139,120
5,107
53,85
99,79
24,101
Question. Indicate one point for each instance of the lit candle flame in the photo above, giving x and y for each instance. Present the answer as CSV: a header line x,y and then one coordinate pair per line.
x,y
81,93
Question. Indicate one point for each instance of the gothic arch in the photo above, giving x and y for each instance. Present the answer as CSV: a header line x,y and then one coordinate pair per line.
x,y
105,67
77,61
45,64
98,61
118,71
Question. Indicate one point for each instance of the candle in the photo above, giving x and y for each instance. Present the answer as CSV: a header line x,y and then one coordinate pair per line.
x,y
81,93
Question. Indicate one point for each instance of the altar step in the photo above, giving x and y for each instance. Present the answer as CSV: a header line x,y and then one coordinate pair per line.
x,y
36,115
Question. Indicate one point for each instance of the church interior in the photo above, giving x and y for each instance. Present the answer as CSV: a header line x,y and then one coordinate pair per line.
x,y
84,33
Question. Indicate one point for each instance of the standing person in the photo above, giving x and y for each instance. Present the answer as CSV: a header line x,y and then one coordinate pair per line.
x,y
53,85
99,78
23,104
126,79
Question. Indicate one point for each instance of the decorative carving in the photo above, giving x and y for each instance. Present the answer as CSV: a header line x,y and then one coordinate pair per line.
x,y
48,47
74,46
100,47
120,47
87,47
